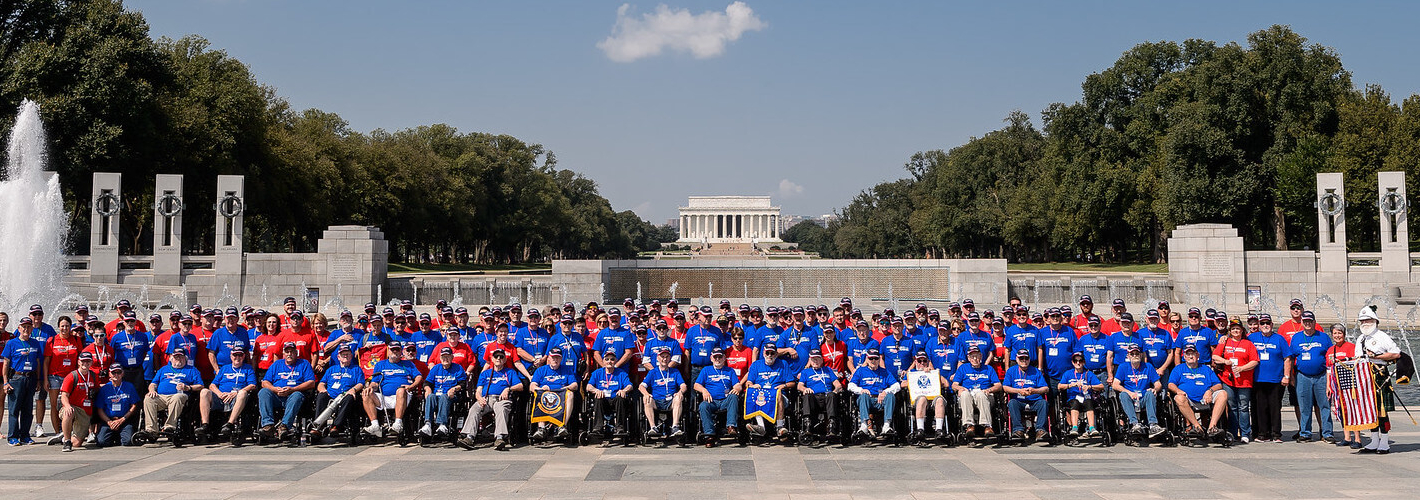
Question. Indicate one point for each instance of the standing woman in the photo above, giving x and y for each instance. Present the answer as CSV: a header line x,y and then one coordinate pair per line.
x,y
1236,358
61,357
1340,350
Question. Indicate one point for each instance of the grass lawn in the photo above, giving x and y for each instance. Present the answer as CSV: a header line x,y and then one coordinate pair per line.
x,y
1089,266
395,267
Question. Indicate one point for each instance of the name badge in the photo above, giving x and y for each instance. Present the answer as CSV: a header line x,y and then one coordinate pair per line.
x,y
115,409
1306,356
132,361
1263,356
1094,358
67,362
1153,353
1054,351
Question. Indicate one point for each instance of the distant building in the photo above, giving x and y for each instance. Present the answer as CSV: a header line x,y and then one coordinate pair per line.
x,y
729,219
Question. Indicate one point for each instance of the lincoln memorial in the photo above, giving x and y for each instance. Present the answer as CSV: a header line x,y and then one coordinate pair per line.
x,y
729,219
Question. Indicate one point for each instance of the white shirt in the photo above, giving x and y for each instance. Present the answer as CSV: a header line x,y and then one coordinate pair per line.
x,y
1379,343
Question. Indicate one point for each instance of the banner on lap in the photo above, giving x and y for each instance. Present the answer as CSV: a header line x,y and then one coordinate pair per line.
x,y
553,407
924,384
762,402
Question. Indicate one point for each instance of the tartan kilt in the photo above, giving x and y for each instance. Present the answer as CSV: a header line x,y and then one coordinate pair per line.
x,y
1386,389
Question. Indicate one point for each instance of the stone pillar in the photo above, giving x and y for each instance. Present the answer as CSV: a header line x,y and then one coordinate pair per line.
x,y
167,229
354,260
231,207
104,206
1395,237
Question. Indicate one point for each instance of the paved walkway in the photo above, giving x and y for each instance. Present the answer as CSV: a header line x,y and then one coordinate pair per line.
x,y
1287,470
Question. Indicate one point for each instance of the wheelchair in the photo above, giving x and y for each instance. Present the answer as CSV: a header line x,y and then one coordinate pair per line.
x,y
1178,425
875,421
186,427
458,411
348,430
1030,418
977,437
663,423
572,425
591,430
413,414
721,420
299,433
815,430
245,427
1106,411
925,437
1166,413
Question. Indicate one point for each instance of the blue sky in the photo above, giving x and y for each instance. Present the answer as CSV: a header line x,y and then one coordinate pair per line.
x,y
812,103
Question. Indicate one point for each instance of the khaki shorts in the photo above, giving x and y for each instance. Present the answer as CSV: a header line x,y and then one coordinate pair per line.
x,y
80,428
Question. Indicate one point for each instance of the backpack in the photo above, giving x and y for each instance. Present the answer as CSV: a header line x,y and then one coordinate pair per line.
x,y
1404,369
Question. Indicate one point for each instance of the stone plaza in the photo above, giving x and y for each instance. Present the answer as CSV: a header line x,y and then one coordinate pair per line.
x,y
1258,470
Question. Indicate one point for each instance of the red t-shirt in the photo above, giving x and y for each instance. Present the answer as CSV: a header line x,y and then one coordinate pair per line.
x,y
463,354
286,322
159,350
103,355
115,326
1342,352
63,354
203,365
1110,325
305,342
510,351
78,384
739,358
1289,327
1241,350
267,350
1081,324
835,356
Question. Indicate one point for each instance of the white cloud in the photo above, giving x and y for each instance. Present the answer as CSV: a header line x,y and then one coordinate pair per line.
x,y
788,188
704,35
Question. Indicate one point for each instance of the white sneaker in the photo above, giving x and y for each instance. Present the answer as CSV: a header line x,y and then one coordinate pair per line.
x,y
444,429
397,427
374,429
39,431
1245,439
90,440
426,430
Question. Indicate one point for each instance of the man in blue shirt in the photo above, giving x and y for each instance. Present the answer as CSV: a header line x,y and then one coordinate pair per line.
x,y
284,389
700,340
1057,341
1197,388
1026,385
661,390
608,387
392,385
130,348
975,381
1138,384
1273,373
556,377
441,388
922,364
569,338
975,337
1120,342
1023,336
116,409
1095,346
818,388
1202,338
1078,389
169,391
21,366
1308,348
650,355
230,335
897,349
943,351
720,390
858,345
876,388
1157,344
493,394
339,387
229,390
770,372
615,338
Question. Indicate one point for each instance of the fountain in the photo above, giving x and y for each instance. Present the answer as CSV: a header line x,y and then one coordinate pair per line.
x,y
33,224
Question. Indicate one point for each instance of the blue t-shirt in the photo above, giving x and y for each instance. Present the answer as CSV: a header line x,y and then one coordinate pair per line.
x,y
424,342
972,377
41,332
699,341
224,339
573,350
663,383
444,379
1094,350
1136,380
943,355
858,349
1059,346
338,379
391,376
1022,338
187,343
1203,339
897,353
873,380
612,381
1119,345
820,380
615,338
1157,345
1029,378
130,349
494,382
1272,353
769,376
718,381
982,340
24,355
281,374
1194,381
230,378
357,337
653,348
549,377
168,378
1309,349
116,401
1072,375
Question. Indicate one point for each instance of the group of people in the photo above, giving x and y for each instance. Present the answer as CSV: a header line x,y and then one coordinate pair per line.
x,y
1226,375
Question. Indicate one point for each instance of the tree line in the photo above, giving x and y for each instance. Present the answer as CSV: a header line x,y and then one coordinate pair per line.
x,y
114,99
1173,133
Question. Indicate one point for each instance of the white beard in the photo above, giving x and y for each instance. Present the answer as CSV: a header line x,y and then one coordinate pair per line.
x,y
1368,328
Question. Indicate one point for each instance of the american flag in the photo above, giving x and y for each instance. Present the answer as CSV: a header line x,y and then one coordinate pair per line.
x,y
1354,394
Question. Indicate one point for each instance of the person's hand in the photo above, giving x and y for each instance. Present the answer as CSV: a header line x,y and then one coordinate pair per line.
x,y
66,412
882,396
452,390
1286,380
503,395
229,397
114,424
808,390
483,401
1237,371
737,390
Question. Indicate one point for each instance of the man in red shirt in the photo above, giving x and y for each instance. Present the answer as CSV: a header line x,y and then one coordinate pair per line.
x,y
117,325
1236,358
298,331
1293,325
78,406
501,342
1081,322
1111,325
462,351
161,336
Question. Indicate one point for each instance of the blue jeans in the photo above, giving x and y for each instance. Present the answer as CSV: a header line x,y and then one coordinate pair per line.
x,y
1150,407
730,404
1311,391
290,405
1017,406
122,436
867,403
438,405
21,405
1239,410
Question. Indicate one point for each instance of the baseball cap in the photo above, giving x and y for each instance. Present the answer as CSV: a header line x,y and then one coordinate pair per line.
x,y
179,352
968,303
159,317
1163,304
1078,355
1308,316
241,349
87,356
1134,348
25,320
425,317
555,351
122,303
498,353
1265,317
973,349
127,316
1085,299
1152,314
768,346
721,352
289,345
115,367
815,353
94,320
974,316
873,352
921,354
1022,353
1127,317
1190,348
446,350
610,352
1094,321
663,352
1118,303
36,309
1194,311
1296,303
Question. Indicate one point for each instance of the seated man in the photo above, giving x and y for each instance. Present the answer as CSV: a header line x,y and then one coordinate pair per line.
x,y
283,389
391,387
1197,388
1027,388
1078,387
230,388
169,391
608,388
876,388
495,386
770,372
975,381
76,395
442,387
720,390
661,390
554,376
1138,383
345,379
818,391
922,363
117,410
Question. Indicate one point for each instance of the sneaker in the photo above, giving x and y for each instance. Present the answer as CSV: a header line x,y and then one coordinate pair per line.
x,y
466,442
969,429
888,431
562,432
1092,432
540,434
1383,452
1073,433
38,432
443,431
990,432
1246,440
939,434
731,430
68,447
427,430
863,429
676,432
14,442
782,432
1329,439
56,439
27,441
758,430
1214,431
1355,445
397,427
1155,431
500,444
1137,428
168,429
654,432
91,439
374,429
1021,435
1277,439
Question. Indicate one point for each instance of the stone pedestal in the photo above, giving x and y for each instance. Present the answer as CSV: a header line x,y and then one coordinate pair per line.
x,y
355,262
1395,237
167,230
105,204
1208,267
231,208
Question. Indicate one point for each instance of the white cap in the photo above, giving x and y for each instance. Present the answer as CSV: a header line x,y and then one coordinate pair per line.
x,y
1368,312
